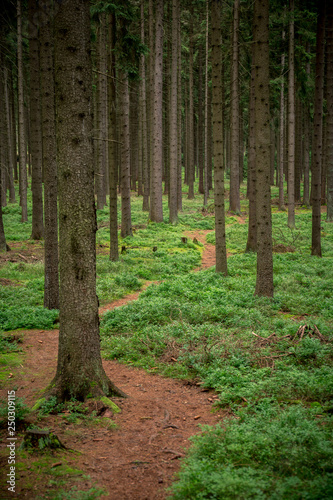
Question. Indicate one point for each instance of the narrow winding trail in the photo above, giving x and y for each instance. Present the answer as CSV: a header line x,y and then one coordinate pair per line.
x,y
138,459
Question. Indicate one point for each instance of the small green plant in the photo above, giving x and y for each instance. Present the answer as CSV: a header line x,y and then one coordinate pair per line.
x,y
21,410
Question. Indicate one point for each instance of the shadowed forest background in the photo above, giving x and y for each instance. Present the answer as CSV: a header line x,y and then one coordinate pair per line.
x,y
166,192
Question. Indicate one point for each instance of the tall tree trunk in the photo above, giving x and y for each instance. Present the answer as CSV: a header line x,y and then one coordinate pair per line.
x,y
21,125
264,283
179,116
126,221
251,245
156,208
282,131
191,170
35,126
7,119
291,120
200,125
220,240
298,151
173,116
143,116
234,117
101,113
112,136
329,115
79,371
206,183
317,149
51,272
134,136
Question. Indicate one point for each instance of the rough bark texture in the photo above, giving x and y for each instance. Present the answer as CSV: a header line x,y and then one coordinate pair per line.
x,y
291,121
100,177
220,240
35,125
329,115
317,148
126,221
191,171
112,128
200,124
264,283
21,125
234,118
281,138
156,208
143,116
79,372
298,151
251,245
173,115
51,272
179,118
11,151
207,117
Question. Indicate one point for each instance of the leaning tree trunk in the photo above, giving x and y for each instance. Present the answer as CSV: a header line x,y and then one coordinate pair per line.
x,y
317,148
35,125
220,240
51,259
264,283
79,372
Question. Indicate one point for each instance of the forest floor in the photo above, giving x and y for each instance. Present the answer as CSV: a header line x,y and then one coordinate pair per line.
x,y
136,457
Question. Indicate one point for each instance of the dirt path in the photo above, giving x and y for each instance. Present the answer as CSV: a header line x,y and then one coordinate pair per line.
x,y
138,459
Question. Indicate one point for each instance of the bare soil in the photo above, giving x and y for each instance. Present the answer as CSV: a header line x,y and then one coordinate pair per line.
x,y
138,459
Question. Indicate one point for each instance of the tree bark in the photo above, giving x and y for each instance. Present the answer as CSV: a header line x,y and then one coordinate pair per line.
x,y
79,371
291,120
173,115
317,150
191,170
282,131
51,258
234,117
112,129
329,115
207,138
23,178
156,207
35,125
101,113
220,240
264,282
143,115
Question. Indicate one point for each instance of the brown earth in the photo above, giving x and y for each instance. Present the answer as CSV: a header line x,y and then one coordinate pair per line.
x,y
138,459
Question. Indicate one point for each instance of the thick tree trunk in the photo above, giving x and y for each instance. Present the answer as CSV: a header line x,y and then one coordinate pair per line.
x,y
291,121
21,125
264,283
35,125
329,115
317,149
220,240
51,259
234,117
79,372
179,117
100,177
7,120
112,129
173,115
156,207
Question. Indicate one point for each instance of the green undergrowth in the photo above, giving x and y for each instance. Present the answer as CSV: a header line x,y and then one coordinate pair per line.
x,y
277,386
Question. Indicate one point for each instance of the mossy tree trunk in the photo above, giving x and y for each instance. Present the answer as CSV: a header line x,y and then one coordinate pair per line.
x,y
79,372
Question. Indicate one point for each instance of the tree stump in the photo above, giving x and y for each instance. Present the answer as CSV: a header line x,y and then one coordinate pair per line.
x,y
41,439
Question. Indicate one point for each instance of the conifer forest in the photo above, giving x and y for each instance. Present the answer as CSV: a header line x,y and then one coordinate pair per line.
x,y
166,249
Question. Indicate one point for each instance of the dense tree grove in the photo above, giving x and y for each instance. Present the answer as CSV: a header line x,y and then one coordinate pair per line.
x,y
168,92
